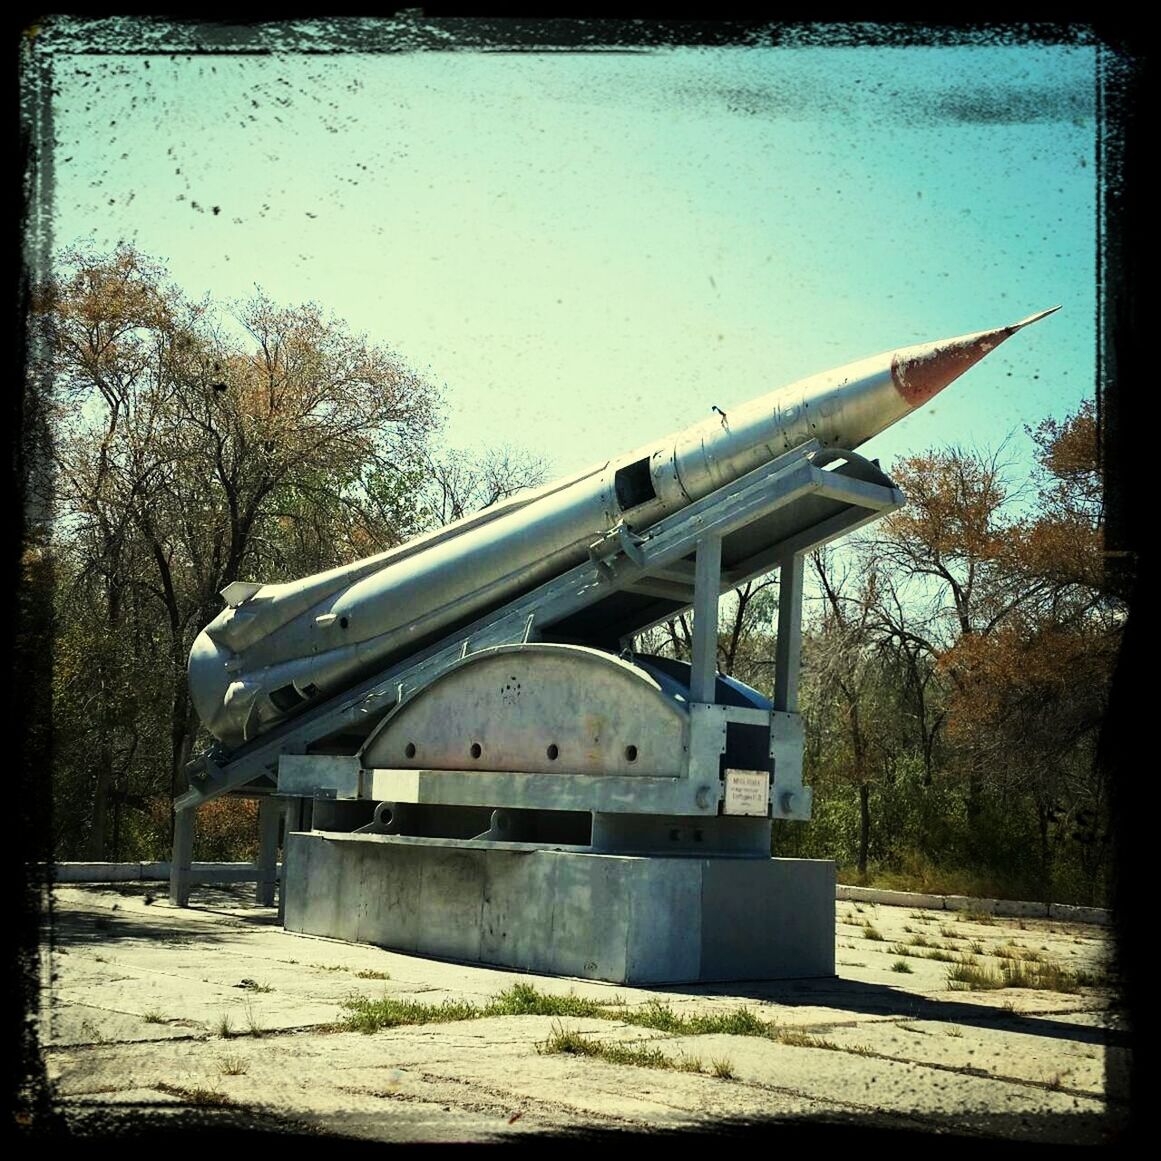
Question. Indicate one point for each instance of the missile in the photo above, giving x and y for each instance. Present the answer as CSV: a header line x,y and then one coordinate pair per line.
x,y
276,648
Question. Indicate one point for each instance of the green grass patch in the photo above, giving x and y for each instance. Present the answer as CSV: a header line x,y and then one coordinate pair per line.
x,y
367,1015
525,1000
572,1043
662,1018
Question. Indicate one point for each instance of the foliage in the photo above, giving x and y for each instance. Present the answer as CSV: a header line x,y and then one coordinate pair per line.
x,y
955,678
195,445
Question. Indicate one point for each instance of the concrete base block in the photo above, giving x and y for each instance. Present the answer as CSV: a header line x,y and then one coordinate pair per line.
x,y
625,919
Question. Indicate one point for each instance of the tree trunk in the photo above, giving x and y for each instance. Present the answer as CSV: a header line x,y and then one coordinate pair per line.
x,y
864,827
100,808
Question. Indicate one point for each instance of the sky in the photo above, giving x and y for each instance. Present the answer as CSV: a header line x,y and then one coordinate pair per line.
x,y
588,250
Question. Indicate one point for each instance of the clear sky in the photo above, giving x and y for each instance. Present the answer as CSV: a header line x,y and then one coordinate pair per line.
x,y
588,250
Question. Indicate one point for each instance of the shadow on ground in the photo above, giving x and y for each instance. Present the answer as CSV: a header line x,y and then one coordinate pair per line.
x,y
847,996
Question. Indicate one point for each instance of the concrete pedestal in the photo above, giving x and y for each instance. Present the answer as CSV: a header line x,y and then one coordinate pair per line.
x,y
623,918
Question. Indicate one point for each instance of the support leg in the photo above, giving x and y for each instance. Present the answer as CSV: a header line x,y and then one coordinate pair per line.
x,y
291,818
707,585
788,646
269,819
180,863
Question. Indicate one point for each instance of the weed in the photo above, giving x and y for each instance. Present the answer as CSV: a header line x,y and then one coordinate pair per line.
x,y
330,967
372,974
202,1097
859,908
949,933
234,1066
224,1029
955,1032
93,1032
969,976
577,1044
941,955
796,1038
371,1015
870,932
981,917
153,1016
252,1025
919,940
525,1000
1049,977
976,947
901,965
1011,950
253,986
723,1070
907,929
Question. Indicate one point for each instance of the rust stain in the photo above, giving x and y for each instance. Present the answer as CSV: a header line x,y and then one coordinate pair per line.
x,y
925,373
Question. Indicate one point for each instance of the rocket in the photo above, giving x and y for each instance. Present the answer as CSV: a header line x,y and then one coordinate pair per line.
x,y
278,648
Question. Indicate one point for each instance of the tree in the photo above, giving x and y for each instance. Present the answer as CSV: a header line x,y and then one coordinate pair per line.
x,y
456,482
191,452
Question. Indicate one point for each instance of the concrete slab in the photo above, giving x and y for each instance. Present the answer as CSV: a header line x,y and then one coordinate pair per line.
x,y
135,993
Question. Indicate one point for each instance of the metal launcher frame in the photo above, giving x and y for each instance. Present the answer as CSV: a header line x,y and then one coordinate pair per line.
x,y
535,729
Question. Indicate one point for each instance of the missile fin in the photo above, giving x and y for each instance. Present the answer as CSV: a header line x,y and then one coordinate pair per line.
x,y
238,592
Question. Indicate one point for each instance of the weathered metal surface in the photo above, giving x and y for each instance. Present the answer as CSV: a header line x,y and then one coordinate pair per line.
x,y
591,597
277,648
545,708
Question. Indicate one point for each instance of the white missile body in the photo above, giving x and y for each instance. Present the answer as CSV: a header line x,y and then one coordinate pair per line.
x,y
278,647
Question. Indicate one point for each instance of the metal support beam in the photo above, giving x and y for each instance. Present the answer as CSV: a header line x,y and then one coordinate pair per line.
x,y
269,820
292,820
706,588
182,858
788,647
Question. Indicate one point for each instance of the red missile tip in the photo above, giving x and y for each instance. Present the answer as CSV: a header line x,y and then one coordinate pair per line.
x,y
921,372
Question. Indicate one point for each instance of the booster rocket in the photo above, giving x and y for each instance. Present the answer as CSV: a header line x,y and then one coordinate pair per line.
x,y
277,648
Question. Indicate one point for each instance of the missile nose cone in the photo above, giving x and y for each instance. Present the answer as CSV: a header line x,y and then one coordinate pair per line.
x,y
923,371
